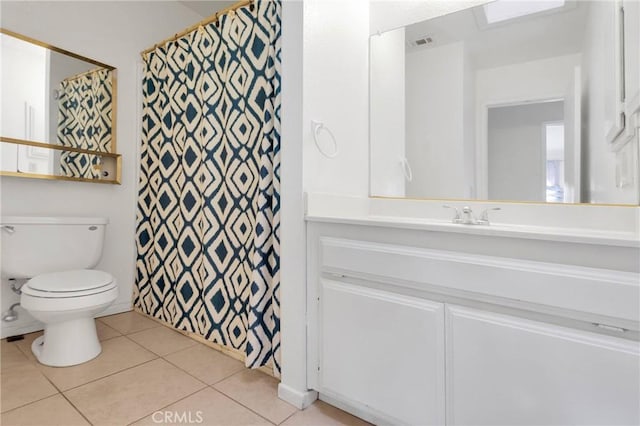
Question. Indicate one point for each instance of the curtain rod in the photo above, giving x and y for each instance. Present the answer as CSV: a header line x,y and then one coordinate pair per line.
x,y
205,21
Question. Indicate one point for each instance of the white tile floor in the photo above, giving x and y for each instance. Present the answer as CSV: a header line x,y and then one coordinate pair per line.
x,y
147,374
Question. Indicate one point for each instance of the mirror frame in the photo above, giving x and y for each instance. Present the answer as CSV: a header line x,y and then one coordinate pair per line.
x,y
112,155
113,158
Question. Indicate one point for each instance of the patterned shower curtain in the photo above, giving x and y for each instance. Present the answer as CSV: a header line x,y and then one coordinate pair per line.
x,y
84,121
208,207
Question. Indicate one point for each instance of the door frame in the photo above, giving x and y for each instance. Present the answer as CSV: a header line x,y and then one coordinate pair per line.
x,y
482,130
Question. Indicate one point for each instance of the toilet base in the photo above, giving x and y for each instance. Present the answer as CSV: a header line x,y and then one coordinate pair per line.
x,y
67,343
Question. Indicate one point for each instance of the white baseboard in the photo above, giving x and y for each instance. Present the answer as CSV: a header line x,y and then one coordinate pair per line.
x,y
359,410
299,399
21,328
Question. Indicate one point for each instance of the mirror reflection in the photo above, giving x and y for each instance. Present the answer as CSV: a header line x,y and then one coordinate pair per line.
x,y
53,96
40,160
511,100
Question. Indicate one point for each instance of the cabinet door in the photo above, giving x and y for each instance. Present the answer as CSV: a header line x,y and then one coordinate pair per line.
x,y
382,353
507,370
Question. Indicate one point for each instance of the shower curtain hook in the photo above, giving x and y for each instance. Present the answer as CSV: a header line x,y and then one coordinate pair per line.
x,y
217,22
251,6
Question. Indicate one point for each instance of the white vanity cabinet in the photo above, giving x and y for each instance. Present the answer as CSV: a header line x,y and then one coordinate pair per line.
x,y
423,328
382,351
505,370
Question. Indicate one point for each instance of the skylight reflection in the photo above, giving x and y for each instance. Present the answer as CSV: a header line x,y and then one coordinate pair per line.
x,y
503,10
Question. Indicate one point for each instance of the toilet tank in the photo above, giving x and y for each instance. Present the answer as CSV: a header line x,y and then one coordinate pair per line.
x,y
35,245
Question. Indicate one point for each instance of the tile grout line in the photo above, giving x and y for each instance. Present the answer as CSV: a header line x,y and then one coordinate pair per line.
x,y
76,408
170,404
249,408
35,365
161,355
23,352
110,374
242,405
101,377
292,414
32,402
135,331
194,376
156,357
30,352
61,392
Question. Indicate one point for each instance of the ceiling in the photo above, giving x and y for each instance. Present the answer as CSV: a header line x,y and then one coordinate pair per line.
x,y
206,8
520,40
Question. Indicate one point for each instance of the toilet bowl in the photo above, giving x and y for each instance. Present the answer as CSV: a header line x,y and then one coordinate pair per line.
x,y
56,255
67,302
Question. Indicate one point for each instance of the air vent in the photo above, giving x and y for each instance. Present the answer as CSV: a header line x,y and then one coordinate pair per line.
x,y
422,41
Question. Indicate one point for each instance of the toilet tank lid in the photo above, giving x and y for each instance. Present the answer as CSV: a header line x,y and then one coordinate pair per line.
x,y
51,220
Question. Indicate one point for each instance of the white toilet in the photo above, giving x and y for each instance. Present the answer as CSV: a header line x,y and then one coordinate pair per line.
x,y
56,254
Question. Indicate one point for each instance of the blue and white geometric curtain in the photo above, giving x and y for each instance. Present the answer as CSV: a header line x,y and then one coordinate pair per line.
x,y
84,121
209,198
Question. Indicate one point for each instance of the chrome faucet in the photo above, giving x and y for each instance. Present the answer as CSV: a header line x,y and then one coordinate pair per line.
x,y
456,218
466,217
484,216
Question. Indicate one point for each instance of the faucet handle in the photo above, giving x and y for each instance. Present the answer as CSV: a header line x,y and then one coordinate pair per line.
x,y
456,218
484,216
8,229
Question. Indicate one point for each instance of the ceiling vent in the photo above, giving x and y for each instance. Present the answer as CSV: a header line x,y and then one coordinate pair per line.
x,y
424,41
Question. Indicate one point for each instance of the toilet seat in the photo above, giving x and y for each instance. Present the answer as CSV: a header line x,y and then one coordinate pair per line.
x,y
66,284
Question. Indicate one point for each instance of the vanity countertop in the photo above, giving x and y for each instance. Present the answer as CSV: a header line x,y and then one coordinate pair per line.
x,y
577,224
569,235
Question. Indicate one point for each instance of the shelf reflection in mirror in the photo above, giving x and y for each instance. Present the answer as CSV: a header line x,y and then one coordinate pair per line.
x,y
53,96
530,108
43,161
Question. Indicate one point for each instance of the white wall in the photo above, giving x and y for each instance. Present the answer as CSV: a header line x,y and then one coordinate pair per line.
x,y
545,78
434,120
535,80
469,125
325,78
336,92
517,150
293,289
113,33
387,115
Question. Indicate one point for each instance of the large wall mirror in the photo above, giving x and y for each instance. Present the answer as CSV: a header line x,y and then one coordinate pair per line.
x,y
58,113
534,101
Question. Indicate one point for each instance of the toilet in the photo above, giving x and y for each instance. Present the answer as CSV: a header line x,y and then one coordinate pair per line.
x,y
56,255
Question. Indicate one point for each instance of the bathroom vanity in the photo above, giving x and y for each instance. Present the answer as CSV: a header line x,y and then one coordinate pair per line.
x,y
415,316
415,320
